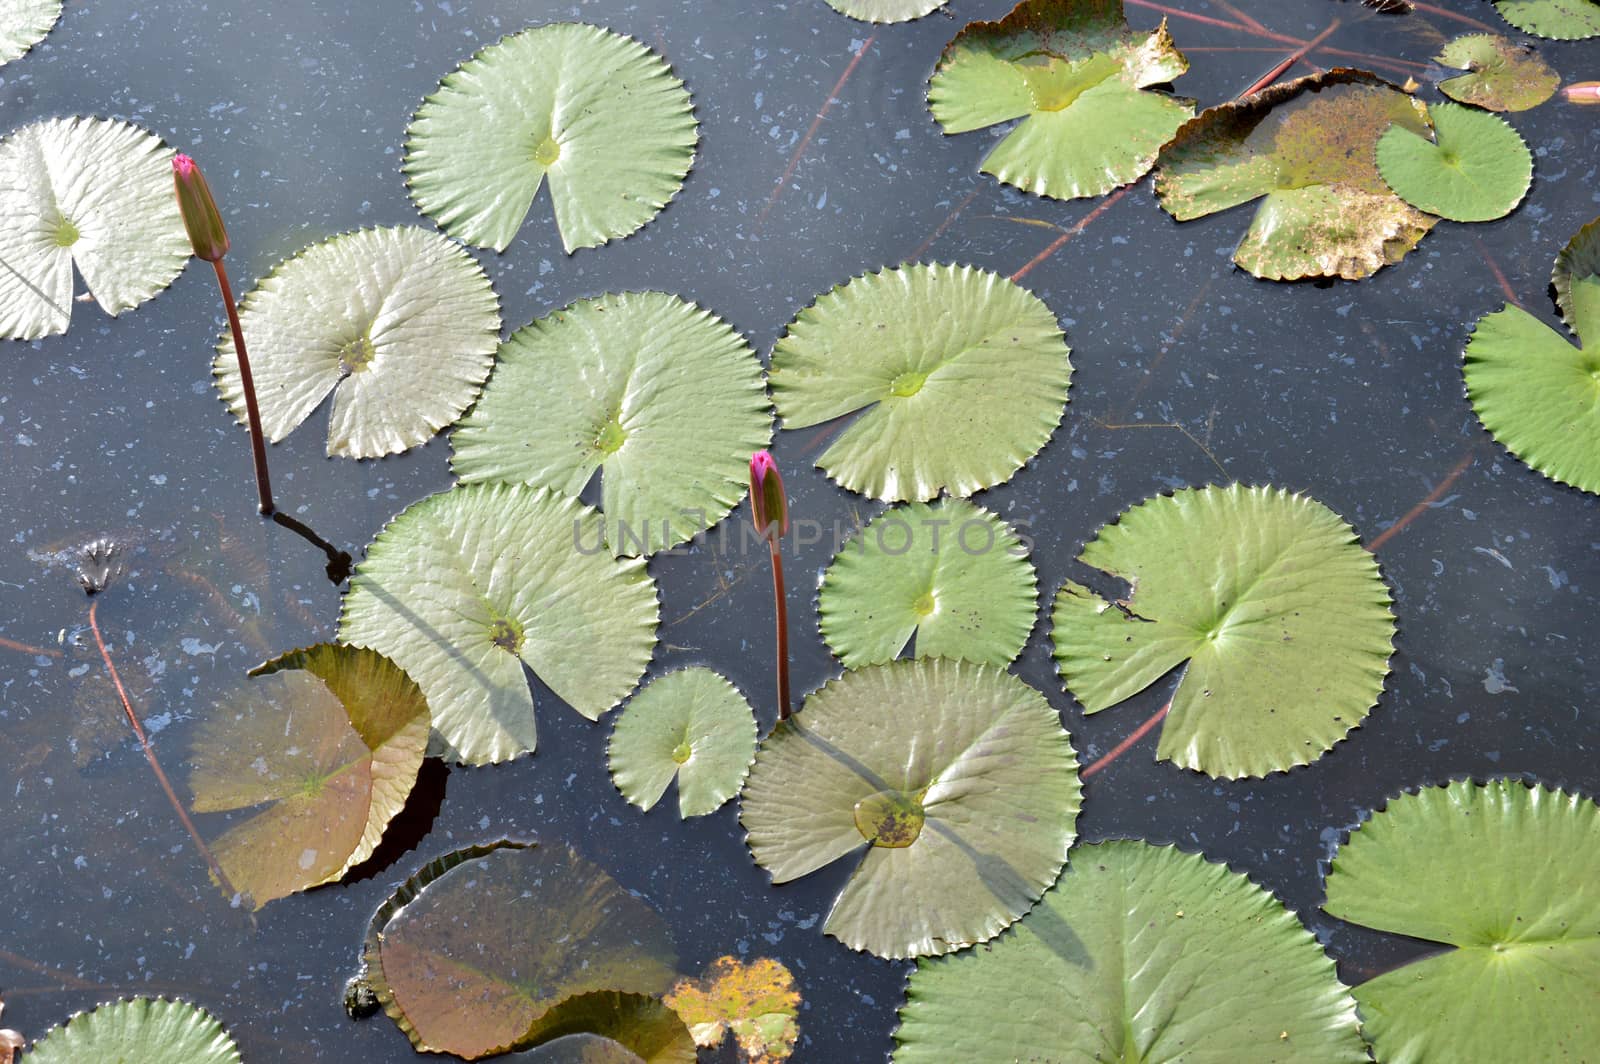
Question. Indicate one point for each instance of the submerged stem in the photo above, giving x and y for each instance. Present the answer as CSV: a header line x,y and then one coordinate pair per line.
x,y
781,603
257,444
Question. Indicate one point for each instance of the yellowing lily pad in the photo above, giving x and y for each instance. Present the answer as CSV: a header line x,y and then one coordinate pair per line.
x,y
146,1030
1504,75
1474,169
24,23
1562,20
757,1002
692,724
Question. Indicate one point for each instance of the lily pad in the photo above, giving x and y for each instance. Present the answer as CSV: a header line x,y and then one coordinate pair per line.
x,y
1141,953
950,575
1505,873
466,587
400,324
477,953
755,1001
692,724
661,397
24,23
957,781
597,114
1267,599
1475,169
137,1029
1079,78
1537,394
1505,75
328,740
958,376
886,10
1306,149
635,1028
1562,20
87,193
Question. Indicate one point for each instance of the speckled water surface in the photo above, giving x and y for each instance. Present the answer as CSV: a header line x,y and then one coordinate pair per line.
x,y
1188,371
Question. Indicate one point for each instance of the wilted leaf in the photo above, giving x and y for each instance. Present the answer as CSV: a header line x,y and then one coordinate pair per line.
x,y
886,10
692,724
24,23
1475,169
142,1030
1505,75
756,1001
1562,20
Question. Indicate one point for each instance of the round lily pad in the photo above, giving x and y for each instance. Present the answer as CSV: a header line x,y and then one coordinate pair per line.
x,y
138,1029
664,399
24,23
1141,953
86,193
1505,873
886,10
466,587
958,376
1081,82
1504,75
597,115
1475,169
1562,20
756,1002
692,724
1537,394
957,781
328,741
1279,618
950,575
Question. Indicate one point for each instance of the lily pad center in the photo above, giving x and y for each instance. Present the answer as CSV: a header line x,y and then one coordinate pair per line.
x,y
891,819
356,355
610,438
547,152
506,634
908,384
66,233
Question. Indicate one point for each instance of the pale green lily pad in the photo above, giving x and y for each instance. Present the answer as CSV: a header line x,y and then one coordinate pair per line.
x,y
466,587
1537,394
148,1030
664,399
596,115
90,193
1506,874
692,724
24,23
400,324
480,951
1079,79
950,574
1562,20
1505,75
955,778
1139,953
328,741
958,375
1279,617
886,10
1306,149
1475,169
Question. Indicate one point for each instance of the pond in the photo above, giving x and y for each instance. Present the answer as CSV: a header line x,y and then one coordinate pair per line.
x,y
817,161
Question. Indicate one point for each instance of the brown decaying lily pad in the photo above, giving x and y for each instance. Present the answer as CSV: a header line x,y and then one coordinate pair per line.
x,y
757,1002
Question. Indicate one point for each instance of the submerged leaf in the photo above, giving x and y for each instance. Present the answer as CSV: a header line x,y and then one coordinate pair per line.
x,y
756,1001
138,1029
23,24
400,324
1139,953
1476,168
635,1027
958,376
955,778
886,10
91,194
1505,873
692,724
1078,77
1562,20
950,575
1306,149
664,399
1279,618
598,114
1505,75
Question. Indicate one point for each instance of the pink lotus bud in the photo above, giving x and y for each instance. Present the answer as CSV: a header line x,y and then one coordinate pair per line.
x,y
1582,92
768,504
200,215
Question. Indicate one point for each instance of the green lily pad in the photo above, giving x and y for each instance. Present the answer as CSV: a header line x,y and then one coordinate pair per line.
x,y
1138,953
87,193
635,1028
886,10
1306,149
1475,169
958,375
1537,394
666,400
477,953
400,324
1079,78
24,23
328,741
1561,20
955,778
1505,75
1506,874
949,574
597,114
137,1029
466,587
1281,620
692,724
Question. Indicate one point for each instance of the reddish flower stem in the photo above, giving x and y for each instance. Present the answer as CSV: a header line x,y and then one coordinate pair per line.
x,y
1123,747
257,443
781,611
816,123
27,648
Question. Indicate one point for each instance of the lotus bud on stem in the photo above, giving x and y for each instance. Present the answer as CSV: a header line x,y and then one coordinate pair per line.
x,y
210,239
769,511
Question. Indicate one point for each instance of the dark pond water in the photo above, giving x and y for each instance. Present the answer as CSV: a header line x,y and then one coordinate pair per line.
x,y
1188,371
